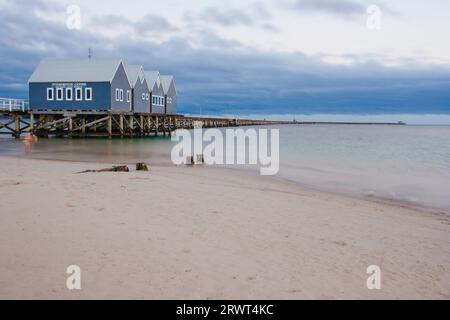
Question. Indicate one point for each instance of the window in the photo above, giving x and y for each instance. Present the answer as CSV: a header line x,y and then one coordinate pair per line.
x,y
121,94
88,94
147,97
128,95
59,94
50,92
143,96
69,94
117,95
162,100
153,100
78,94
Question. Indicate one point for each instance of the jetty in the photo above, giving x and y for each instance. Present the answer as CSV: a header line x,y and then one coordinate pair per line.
x,y
16,118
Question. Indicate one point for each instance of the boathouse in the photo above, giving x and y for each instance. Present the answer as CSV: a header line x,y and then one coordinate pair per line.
x,y
170,94
83,84
140,95
156,91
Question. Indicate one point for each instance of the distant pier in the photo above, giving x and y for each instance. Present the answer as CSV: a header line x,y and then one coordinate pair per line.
x,y
16,119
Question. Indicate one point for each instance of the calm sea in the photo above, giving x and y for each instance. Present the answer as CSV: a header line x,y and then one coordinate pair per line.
x,y
406,163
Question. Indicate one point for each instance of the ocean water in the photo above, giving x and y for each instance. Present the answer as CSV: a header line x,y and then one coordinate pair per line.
x,y
405,163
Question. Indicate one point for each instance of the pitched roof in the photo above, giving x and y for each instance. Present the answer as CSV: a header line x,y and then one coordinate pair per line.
x,y
75,70
152,78
166,80
133,73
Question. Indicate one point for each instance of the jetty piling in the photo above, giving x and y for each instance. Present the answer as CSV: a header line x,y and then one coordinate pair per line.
x,y
44,123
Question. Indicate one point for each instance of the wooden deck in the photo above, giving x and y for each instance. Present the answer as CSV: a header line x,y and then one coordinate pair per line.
x,y
109,124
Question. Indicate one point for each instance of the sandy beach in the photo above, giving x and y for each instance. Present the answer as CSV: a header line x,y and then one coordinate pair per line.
x,y
205,233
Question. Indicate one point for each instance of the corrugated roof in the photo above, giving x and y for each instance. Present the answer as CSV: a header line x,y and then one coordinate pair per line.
x,y
152,77
75,70
133,73
165,82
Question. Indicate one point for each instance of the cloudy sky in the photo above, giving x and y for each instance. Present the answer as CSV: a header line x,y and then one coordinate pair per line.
x,y
250,57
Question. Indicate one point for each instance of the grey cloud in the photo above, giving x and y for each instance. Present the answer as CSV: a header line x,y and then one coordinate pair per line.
x,y
227,17
154,24
111,20
270,27
343,8
220,76
149,24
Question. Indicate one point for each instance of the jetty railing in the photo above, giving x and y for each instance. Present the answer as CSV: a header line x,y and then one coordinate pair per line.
x,y
7,104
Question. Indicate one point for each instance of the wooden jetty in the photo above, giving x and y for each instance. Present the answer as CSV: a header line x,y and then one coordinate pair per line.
x,y
109,124
16,118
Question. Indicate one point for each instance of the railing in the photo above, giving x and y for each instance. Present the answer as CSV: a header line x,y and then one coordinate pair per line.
x,y
14,104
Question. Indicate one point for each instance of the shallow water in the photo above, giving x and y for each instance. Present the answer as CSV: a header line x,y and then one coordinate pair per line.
x,y
406,163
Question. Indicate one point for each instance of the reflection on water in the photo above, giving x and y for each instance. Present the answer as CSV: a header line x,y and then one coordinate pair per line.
x,y
127,150
408,163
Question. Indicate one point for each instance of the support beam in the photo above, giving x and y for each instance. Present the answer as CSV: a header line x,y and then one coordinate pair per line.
x,y
131,124
31,122
121,125
109,126
17,127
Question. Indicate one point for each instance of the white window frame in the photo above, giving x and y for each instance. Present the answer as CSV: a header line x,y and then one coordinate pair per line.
x,y
59,90
67,94
52,92
143,96
147,96
162,101
86,94
117,94
121,95
128,95
80,90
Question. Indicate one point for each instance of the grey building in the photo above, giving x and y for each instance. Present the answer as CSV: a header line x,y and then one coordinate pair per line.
x,y
156,91
81,84
140,94
170,94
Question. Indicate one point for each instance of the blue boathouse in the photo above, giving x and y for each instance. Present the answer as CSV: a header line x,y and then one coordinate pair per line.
x,y
83,84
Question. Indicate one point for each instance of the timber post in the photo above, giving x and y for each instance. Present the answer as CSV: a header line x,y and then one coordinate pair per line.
x,y
17,127
121,125
109,126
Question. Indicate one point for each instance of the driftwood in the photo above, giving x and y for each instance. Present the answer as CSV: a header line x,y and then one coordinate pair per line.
x,y
141,167
113,169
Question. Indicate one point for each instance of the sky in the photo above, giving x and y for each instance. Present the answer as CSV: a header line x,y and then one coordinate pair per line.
x,y
250,57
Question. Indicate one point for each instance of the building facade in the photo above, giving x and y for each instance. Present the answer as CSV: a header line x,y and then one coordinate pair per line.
x,y
85,84
140,96
156,91
100,85
170,94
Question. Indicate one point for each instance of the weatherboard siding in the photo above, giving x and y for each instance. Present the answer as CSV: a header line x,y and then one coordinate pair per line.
x,y
157,91
141,88
121,82
100,96
171,99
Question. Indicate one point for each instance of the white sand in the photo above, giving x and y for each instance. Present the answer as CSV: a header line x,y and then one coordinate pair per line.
x,y
189,233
